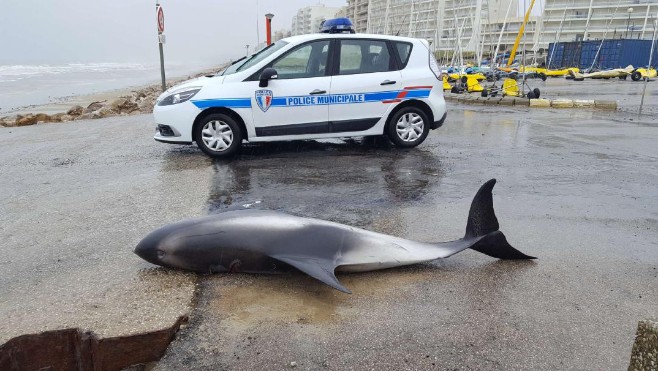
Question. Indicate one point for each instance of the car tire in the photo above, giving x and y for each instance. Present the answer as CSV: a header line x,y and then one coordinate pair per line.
x,y
408,127
218,135
636,76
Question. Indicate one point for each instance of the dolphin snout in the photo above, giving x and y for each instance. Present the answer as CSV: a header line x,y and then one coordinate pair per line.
x,y
147,249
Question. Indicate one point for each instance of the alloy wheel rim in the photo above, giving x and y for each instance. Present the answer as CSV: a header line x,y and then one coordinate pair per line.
x,y
410,127
217,135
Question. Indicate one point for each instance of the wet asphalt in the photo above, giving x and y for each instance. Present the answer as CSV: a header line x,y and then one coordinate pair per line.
x,y
577,189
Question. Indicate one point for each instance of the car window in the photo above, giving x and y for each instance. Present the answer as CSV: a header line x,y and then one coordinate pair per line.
x,y
253,59
363,56
404,51
308,60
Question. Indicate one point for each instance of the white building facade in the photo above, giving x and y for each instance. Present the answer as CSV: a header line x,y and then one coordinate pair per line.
x,y
475,26
309,19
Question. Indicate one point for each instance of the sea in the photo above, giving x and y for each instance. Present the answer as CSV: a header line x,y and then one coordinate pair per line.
x,y
23,86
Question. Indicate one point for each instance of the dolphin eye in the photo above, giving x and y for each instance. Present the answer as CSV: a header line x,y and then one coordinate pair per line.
x,y
161,254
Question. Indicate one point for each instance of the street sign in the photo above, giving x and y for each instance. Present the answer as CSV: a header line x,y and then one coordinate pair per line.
x,y
161,40
160,19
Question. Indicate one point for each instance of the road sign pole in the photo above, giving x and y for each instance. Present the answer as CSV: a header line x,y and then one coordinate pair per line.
x,y
162,71
161,38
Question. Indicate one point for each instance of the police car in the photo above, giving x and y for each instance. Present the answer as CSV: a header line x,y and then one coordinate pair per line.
x,y
314,86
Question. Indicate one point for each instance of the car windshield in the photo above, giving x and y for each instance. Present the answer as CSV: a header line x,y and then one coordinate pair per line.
x,y
244,63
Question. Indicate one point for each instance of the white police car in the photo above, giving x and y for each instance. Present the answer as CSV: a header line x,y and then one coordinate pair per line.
x,y
309,87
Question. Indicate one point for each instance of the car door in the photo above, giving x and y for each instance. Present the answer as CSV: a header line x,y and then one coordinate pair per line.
x,y
289,104
364,85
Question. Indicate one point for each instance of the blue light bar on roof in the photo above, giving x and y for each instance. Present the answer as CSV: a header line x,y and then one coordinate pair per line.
x,y
337,25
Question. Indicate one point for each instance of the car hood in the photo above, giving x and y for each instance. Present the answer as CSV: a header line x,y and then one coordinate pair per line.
x,y
198,82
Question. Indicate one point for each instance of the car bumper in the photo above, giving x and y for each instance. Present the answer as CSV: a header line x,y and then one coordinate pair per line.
x,y
174,123
438,124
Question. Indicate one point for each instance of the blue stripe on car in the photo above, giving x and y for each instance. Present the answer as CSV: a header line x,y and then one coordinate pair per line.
x,y
314,100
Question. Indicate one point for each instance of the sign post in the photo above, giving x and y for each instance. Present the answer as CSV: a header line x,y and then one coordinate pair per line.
x,y
161,40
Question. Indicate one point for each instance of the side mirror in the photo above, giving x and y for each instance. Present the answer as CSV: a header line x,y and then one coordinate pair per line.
x,y
267,75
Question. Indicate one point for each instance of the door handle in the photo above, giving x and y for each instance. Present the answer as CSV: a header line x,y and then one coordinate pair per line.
x,y
388,82
318,91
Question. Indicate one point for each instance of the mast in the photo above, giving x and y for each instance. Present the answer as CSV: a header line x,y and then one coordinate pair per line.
x,y
521,33
502,30
589,17
604,35
646,79
557,37
646,17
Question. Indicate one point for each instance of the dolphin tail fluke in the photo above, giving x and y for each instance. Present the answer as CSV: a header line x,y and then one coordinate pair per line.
x,y
483,225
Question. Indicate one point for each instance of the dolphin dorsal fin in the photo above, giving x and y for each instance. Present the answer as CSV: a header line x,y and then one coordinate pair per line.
x,y
320,269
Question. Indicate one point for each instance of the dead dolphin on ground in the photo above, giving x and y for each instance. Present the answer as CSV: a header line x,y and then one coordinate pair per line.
x,y
260,241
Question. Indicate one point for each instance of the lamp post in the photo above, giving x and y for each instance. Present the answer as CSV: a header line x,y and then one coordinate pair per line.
x,y
628,22
268,27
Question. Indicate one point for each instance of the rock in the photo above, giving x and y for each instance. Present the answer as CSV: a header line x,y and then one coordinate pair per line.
x,y
42,117
9,122
123,105
87,116
25,120
293,364
75,111
105,112
94,106
645,350
65,118
56,117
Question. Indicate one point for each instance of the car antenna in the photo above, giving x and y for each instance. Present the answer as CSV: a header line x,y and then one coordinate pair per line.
x,y
400,28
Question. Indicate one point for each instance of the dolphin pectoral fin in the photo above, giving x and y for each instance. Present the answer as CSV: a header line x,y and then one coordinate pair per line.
x,y
319,269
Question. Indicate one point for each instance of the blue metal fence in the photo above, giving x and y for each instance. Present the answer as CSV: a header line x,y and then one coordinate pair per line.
x,y
613,54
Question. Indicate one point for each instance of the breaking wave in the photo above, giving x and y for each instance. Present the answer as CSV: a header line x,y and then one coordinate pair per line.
x,y
19,72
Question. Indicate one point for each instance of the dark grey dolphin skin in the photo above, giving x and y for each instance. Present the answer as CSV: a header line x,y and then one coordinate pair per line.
x,y
259,241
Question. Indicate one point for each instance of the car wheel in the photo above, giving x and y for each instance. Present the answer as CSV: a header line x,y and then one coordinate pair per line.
x,y
636,76
218,135
408,127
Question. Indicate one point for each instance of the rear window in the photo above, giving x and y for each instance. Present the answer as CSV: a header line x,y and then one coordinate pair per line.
x,y
404,51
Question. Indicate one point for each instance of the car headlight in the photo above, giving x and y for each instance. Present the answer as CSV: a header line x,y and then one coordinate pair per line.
x,y
179,97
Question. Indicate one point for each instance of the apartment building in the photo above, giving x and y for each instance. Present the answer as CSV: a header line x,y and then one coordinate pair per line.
x,y
308,19
477,25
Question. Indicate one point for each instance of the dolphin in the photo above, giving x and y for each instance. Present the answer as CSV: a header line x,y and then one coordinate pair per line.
x,y
264,241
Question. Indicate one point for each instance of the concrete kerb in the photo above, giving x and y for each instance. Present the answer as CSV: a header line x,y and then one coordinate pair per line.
x,y
562,103
506,101
524,102
544,103
605,104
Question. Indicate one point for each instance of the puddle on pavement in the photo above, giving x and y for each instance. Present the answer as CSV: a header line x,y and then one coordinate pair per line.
x,y
74,349
246,301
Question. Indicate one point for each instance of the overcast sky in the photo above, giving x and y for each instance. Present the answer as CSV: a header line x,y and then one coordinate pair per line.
x,y
197,31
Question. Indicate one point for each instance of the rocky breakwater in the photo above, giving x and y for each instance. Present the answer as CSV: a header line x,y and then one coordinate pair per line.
x,y
140,101
137,102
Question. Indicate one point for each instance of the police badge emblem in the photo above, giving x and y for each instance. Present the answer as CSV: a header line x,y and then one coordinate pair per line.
x,y
264,99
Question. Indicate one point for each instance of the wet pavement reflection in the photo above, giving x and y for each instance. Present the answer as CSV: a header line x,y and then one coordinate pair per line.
x,y
347,181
